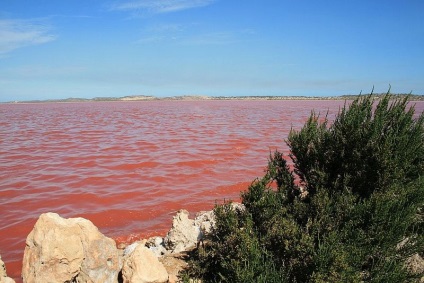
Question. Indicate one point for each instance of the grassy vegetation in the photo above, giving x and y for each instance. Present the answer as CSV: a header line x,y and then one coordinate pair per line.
x,y
348,210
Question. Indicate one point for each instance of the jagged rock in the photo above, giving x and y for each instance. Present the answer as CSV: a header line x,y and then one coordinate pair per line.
x,y
2,269
130,248
174,263
69,250
3,274
156,245
186,233
205,220
142,266
238,206
6,280
183,234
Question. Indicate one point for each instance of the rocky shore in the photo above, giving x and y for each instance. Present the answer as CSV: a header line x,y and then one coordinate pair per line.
x,y
74,250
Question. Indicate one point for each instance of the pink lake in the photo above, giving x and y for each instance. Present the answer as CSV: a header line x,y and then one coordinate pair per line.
x,y
129,166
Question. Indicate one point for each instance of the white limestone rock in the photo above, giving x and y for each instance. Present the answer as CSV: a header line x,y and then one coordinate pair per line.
x,y
183,235
3,275
142,266
69,250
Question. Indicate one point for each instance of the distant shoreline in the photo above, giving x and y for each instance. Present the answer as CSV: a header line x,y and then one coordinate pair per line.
x,y
201,98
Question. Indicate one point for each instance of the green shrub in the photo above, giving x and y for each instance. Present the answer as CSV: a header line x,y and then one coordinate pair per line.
x,y
363,150
235,254
349,211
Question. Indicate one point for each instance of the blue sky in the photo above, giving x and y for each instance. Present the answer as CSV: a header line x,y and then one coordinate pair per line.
x,y
91,48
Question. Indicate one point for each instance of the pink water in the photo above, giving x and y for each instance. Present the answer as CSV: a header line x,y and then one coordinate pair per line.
x,y
129,166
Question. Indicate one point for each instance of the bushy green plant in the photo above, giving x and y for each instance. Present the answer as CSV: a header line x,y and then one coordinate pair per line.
x,y
234,252
348,211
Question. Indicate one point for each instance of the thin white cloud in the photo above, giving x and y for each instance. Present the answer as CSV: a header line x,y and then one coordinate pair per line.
x,y
152,39
163,32
15,34
166,28
182,34
160,6
218,37
213,38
